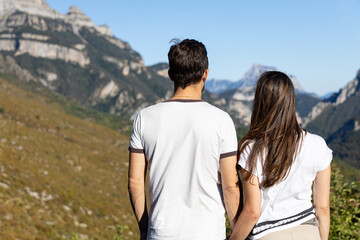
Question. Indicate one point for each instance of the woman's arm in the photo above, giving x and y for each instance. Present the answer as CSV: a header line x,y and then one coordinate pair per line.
x,y
251,211
321,190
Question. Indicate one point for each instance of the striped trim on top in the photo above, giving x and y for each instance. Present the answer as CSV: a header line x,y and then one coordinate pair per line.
x,y
268,225
229,154
136,150
183,100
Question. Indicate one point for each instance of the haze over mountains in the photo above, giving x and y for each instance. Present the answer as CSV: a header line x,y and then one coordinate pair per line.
x,y
69,66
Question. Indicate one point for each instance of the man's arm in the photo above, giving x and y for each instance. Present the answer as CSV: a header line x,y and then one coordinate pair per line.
x,y
321,190
136,186
230,185
251,212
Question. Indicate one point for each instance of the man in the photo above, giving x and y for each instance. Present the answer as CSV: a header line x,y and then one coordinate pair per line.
x,y
190,149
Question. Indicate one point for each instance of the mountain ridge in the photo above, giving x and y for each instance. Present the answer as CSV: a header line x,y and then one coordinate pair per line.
x,y
248,79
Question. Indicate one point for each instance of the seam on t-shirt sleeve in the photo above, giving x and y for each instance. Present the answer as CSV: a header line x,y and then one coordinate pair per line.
x,y
136,150
229,154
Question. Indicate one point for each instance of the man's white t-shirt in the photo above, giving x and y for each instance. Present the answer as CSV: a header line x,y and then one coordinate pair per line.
x,y
183,141
288,203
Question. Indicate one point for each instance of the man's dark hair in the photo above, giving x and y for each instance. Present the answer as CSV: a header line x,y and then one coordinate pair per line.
x,y
187,62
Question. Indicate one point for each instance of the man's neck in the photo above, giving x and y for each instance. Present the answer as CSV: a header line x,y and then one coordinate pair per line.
x,y
190,92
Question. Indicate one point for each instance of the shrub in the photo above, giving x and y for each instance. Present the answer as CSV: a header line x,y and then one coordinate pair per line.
x,y
344,207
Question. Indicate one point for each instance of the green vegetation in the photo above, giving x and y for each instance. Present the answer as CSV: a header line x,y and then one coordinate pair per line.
x,y
344,207
59,175
74,107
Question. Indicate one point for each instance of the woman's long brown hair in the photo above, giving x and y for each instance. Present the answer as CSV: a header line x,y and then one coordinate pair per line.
x,y
274,130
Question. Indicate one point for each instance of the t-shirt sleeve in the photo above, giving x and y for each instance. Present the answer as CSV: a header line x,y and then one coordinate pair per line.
x,y
228,138
135,139
325,156
244,158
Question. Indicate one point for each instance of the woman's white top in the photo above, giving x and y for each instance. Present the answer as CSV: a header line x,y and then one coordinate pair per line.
x,y
288,203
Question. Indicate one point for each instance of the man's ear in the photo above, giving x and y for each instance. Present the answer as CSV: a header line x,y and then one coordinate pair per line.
x,y
169,73
205,75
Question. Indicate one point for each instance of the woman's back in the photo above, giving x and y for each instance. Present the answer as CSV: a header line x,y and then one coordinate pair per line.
x,y
279,163
288,203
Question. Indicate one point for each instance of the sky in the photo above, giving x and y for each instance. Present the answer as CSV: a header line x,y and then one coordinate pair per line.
x,y
316,41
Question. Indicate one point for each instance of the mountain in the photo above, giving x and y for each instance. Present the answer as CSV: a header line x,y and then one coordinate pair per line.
x,y
60,175
327,95
237,97
351,89
248,79
239,104
218,86
70,55
337,120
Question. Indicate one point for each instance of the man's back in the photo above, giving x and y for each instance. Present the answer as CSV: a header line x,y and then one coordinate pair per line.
x,y
183,141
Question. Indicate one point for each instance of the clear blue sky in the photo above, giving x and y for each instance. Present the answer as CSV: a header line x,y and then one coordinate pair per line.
x,y
317,41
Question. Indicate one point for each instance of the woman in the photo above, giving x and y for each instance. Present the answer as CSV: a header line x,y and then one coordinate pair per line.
x,y
280,162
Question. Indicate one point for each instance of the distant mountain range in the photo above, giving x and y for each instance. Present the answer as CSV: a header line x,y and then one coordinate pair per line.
x,y
249,79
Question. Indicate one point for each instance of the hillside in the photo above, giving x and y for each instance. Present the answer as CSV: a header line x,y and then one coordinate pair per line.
x,y
60,175
70,55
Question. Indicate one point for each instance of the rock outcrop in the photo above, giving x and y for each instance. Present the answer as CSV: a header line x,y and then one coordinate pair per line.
x,y
9,65
32,7
349,90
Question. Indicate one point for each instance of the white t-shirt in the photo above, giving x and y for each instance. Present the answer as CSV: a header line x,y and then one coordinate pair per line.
x,y
183,141
288,203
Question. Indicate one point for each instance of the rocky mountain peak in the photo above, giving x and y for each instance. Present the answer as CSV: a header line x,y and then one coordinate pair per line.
x,y
252,75
33,7
40,8
77,17
350,89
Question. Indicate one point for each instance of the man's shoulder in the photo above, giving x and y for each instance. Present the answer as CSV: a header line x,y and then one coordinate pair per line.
x,y
201,107
149,109
215,110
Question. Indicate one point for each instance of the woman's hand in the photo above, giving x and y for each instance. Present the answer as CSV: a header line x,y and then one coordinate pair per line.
x,y
251,210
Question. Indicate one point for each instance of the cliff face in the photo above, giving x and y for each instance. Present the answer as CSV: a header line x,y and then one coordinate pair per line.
x,y
351,89
70,55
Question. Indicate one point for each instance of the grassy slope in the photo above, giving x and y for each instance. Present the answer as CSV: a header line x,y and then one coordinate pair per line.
x,y
59,174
